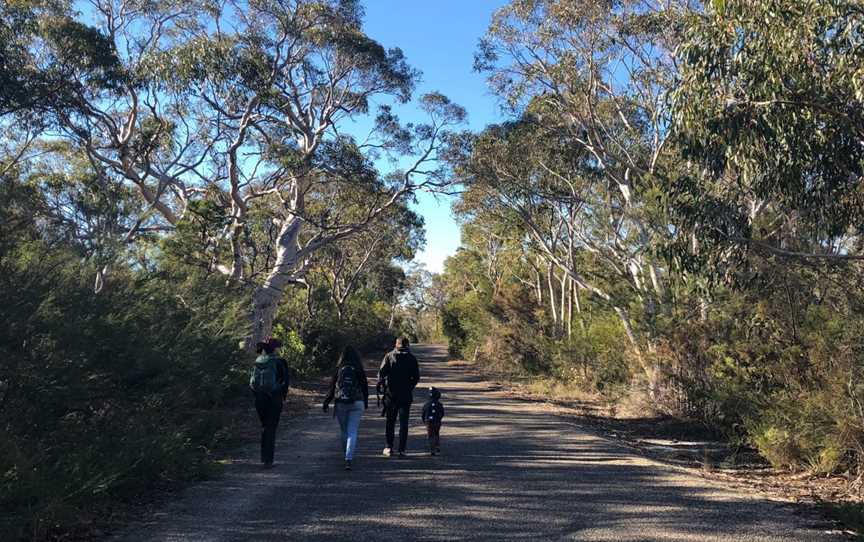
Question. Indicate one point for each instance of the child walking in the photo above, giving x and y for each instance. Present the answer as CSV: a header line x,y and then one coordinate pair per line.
x,y
433,413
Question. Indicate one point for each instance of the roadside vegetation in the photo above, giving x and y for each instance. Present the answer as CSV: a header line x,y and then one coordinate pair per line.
x,y
177,182
671,216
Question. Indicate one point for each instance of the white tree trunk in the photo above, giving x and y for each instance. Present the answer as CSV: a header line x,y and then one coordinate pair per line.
x,y
648,370
552,299
569,307
265,299
563,282
578,306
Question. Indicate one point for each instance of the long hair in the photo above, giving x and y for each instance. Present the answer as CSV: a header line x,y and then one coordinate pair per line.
x,y
350,357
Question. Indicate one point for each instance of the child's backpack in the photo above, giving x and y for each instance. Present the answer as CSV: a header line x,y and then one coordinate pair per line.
x,y
265,376
348,385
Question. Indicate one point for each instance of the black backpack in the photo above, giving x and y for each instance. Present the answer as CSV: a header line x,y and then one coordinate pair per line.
x,y
348,385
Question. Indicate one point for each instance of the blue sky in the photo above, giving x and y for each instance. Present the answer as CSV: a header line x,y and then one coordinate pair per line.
x,y
439,38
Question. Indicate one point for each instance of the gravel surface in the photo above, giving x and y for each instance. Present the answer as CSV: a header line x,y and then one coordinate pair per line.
x,y
509,470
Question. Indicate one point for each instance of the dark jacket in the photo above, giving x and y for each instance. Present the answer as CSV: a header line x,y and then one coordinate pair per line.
x,y
433,411
361,377
401,373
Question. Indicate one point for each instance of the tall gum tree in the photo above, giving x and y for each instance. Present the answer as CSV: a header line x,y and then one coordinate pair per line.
x,y
243,106
769,109
599,71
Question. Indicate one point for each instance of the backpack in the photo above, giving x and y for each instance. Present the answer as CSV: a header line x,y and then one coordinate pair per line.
x,y
265,376
348,386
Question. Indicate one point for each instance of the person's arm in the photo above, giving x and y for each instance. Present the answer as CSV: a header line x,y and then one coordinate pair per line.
x,y
442,409
286,376
364,387
331,393
425,414
384,370
416,375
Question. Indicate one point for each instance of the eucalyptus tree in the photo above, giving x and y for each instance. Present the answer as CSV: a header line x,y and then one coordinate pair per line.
x,y
346,264
29,84
526,173
770,110
242,107
596,73
513,219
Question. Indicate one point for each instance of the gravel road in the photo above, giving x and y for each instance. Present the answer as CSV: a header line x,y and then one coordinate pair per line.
x,y
509,470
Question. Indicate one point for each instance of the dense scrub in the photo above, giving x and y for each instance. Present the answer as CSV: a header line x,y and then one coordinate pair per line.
x,y
105,396
776,365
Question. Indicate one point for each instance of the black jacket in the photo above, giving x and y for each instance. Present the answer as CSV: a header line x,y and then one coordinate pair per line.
x,y
401,373
433,411
364,386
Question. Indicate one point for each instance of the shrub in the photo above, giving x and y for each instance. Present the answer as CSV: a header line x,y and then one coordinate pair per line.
x,y
106,395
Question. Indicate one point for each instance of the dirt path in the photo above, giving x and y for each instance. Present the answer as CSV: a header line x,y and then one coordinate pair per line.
x,y
510,470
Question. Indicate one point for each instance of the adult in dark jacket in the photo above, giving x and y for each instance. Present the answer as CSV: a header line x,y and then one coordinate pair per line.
x,y
269,383
399,374
350,389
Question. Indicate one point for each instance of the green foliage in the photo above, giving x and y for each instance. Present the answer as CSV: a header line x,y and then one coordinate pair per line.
x,y
771,103
293,349
465,322
697,174
105,396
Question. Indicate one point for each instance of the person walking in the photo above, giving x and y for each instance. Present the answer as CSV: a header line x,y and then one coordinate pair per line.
x,y
433,413
398,376
269,384
350,389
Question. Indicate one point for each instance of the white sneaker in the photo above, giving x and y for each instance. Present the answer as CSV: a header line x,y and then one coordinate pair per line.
x,y
387,452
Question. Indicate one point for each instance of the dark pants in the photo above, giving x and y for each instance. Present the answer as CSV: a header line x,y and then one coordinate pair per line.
x,y
402,410
433,431
269,409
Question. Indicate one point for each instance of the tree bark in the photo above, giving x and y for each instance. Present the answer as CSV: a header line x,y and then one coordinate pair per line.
x,y
265,298
552,300
578,306
569,308
563,281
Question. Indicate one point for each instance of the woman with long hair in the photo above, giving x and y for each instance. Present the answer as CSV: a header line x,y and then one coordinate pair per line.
x,y
350,391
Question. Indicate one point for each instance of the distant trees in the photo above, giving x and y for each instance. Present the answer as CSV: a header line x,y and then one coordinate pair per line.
x,y
590,148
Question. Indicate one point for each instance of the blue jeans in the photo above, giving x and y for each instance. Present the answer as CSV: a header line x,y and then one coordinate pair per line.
x,y
349,415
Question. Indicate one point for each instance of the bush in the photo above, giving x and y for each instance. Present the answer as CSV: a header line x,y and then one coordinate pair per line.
x,y
106,395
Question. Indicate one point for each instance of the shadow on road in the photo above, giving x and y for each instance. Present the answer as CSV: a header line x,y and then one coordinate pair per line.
x,y
509,471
